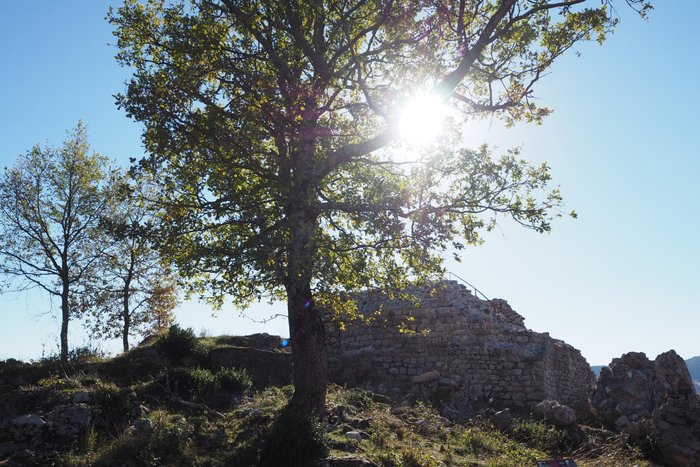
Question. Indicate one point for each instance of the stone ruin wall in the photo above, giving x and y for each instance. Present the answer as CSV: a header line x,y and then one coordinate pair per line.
x,y
476,351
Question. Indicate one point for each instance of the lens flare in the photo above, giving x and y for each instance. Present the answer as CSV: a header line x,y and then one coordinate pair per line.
x,y
422,118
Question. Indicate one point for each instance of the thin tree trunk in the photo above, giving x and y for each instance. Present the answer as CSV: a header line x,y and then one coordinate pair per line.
x,y
126,316
126,313
65,315
307,335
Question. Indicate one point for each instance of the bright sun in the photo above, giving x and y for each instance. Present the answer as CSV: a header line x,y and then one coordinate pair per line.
x,y
421,119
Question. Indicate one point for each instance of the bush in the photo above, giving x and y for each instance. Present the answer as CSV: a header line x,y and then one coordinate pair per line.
x,y
189,381
86,354
294,439
178,343
115,404
233,380
360,399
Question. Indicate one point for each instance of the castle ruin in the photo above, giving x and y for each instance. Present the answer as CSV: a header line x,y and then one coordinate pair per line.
x,y
461,348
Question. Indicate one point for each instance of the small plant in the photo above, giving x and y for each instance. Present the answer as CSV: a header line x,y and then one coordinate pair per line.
x,y
360,399
178,343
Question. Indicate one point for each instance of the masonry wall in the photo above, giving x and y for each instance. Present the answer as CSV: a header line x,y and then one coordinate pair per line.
x,y
462,348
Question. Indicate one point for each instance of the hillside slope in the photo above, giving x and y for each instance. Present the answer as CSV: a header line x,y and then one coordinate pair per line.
x,y
177,402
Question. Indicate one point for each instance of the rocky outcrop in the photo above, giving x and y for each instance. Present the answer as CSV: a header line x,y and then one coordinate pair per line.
x,y
632,386
462,350
652,401
675,429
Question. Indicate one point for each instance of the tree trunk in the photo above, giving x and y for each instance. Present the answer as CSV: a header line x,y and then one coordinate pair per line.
x,y
126,316
65,315
307,335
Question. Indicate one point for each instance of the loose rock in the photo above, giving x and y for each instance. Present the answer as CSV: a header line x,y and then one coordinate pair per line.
x,y
554,412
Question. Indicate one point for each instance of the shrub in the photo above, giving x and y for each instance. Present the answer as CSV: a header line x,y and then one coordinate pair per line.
x,y
189,381
178,343
294,439
360,399
233,380
86,354
115,404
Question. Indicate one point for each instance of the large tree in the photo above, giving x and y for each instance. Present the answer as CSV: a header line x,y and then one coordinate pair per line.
x,y
51,202
273,128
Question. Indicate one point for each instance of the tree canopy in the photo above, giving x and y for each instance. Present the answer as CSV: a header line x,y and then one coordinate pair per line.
x,y
271,127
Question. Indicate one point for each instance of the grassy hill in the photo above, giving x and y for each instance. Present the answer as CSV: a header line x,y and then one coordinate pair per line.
x,y
171,402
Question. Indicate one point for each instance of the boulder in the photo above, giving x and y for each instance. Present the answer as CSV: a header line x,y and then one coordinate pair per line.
x,y
71,419
426,377
502,419
83,397
142,425
27,427
555,413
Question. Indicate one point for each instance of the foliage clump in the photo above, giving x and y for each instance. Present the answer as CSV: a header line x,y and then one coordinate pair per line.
x,y
201,382
178,343
234,380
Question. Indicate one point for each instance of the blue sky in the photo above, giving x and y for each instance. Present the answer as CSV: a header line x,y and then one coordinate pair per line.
x,y
621,143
